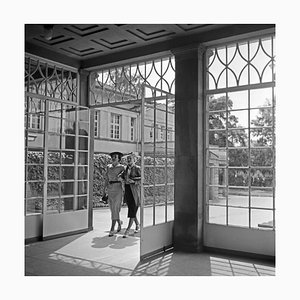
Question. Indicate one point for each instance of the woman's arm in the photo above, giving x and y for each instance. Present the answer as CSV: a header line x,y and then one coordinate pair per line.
x,y
137,176
105,181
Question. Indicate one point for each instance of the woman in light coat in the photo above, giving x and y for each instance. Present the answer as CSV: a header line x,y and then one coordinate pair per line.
x,y
114,186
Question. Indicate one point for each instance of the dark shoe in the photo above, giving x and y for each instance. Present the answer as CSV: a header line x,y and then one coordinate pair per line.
x,y
126,233
111,233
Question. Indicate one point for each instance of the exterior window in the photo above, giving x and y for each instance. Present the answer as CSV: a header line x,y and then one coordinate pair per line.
x,y
115,126
169,134
36,114
240,134
162,132
35,122
132,129
97,123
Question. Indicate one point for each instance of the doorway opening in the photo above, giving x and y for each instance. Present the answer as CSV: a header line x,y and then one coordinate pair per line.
x,y
145,127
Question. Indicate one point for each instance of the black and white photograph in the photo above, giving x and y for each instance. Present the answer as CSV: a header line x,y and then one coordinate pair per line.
x,y
151,149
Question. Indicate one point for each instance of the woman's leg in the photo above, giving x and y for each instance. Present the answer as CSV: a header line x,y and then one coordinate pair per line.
x,y
112,228
119,225
126,233
137,224
130,223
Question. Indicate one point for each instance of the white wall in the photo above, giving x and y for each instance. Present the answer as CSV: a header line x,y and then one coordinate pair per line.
x,y
255,241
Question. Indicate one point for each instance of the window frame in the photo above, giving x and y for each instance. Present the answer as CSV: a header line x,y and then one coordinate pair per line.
x,y
114,133
226,90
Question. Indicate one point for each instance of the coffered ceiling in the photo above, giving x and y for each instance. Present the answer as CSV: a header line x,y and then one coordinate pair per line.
x,y
88,45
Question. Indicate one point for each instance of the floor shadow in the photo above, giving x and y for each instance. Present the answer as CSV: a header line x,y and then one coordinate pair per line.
x,y
115,242
66,265
201,264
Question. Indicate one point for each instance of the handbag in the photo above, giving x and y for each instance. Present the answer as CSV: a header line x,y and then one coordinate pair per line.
x,y
105,198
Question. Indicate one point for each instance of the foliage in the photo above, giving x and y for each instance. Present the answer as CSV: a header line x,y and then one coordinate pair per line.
x,y
236,137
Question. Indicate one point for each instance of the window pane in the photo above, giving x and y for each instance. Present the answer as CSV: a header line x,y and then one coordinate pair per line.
x,y
35,139
34,206
148,206
35,157
53,205
82,187
83,143
217,195
83,114
170,173
160,207
35,173
217,120
216,214
238,157
170,203
53,141
82,202
53,157
69,112
238,197
54,125
238,177
262,177
83,128
67,188
261,117
67,157
54,173
238,100
217,158
82,158
160,174
217,139
238,118
262,198
262,219
148,175
82,173
53,189
67,173
217,102
238,138
36,105
36,122
217,176
66,204
261,137
261,157
68,142
34,189
261,97
238,217
54,109
68,127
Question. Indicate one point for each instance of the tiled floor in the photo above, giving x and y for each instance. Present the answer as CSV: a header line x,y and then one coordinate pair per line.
x,y
96,254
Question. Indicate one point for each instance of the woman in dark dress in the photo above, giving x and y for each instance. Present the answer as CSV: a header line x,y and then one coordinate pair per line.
x,y
132,177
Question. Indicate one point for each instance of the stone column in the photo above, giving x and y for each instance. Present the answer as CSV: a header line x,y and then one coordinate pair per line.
x,y
84,101
189,149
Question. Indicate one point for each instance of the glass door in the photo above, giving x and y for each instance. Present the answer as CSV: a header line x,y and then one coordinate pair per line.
x,y
157,165
66,169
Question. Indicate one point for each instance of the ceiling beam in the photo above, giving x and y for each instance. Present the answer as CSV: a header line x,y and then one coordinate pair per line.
x,y
52,55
